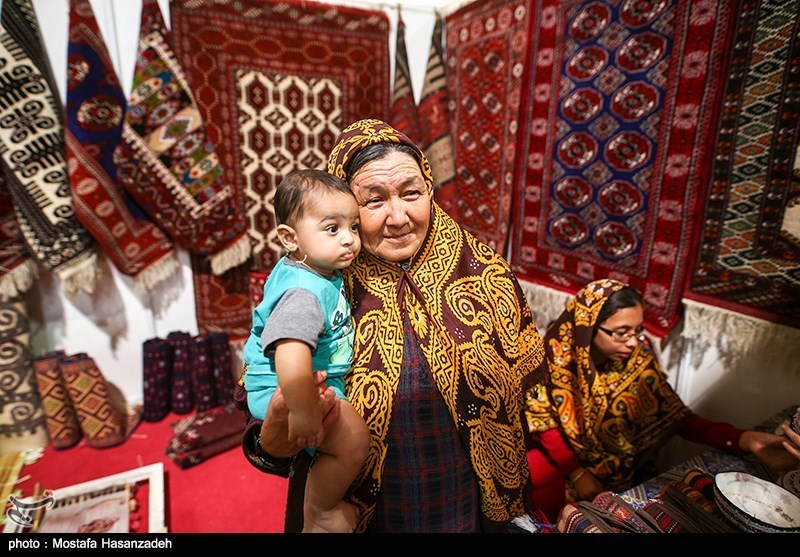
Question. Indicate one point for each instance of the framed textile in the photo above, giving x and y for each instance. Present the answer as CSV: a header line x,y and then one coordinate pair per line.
x,y
96,504
617,112
275,83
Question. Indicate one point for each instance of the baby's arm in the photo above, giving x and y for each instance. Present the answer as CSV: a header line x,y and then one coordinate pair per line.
x,y
293,366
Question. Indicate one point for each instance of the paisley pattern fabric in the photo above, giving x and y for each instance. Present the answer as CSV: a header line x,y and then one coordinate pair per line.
x,y
614,416
475,330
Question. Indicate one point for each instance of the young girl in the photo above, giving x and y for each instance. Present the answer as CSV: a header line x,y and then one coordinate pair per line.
x,y
303,324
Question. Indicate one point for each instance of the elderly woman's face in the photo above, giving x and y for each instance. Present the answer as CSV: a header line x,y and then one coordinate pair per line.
x,y
394,206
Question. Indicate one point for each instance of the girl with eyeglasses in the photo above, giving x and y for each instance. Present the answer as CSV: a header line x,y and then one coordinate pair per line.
x,y
608,407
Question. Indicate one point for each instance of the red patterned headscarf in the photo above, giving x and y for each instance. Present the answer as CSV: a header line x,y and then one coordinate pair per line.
x,y
614,417
475,329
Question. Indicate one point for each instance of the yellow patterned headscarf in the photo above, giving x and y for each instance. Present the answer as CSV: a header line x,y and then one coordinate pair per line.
x,y
475,330
613,417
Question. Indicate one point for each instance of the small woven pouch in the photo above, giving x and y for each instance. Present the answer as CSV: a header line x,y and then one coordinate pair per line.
x,y
606,514
102,423
62,422
698,512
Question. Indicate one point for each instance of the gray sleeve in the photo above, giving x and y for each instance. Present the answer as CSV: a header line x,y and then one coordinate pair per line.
x,y
298,316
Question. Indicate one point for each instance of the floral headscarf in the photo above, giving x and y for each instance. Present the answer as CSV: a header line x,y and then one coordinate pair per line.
x,y
613,417
475,329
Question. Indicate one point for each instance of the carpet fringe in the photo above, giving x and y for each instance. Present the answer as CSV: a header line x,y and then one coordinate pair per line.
x,y
231,256
18,280
163,269
82,274
546,303
736,336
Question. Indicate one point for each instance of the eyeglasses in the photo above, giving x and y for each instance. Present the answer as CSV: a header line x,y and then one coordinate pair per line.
x,y
622,336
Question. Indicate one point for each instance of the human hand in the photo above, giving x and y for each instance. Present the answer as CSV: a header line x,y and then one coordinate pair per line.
x,y
792,441
275,429
305,427
773,450
585,484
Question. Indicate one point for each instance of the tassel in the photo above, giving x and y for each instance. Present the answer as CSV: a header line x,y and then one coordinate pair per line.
x,y
736,335
154,274
19,280
231,256
546,303
82,274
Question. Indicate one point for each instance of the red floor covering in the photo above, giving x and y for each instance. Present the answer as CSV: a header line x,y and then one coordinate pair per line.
x,y
223,494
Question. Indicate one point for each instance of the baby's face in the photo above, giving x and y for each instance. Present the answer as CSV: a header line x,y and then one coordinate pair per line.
x,y
328,232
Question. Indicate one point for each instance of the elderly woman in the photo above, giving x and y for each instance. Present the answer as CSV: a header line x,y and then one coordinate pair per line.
x,y
445,344
608,408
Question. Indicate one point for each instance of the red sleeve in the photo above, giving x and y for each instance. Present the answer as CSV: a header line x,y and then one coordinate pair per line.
x,y
719,435
555,447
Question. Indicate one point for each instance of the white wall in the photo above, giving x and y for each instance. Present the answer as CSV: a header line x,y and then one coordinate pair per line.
x,y
112,324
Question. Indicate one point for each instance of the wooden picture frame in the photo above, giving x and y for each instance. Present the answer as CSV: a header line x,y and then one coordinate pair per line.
x,y
153,474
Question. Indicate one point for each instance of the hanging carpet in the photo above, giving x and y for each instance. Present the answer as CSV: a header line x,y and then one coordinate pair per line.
x,y
22,419
749,259
486,54
437,143
618,115
403,112
95,111
275,83
33,153
17,268
166,161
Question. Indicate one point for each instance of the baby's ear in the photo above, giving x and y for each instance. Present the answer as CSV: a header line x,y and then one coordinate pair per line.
x,y
287,237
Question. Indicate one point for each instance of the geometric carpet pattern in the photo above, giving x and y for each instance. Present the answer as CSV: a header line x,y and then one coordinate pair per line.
x,y
748,261
618,124
275,83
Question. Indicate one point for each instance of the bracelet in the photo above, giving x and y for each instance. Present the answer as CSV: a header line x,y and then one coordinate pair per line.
x,y
579,476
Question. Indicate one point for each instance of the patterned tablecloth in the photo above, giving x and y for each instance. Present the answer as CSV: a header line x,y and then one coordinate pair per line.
x,y
711,462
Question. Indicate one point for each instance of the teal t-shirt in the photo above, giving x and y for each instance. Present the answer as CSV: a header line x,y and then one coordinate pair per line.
x,y
327,329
